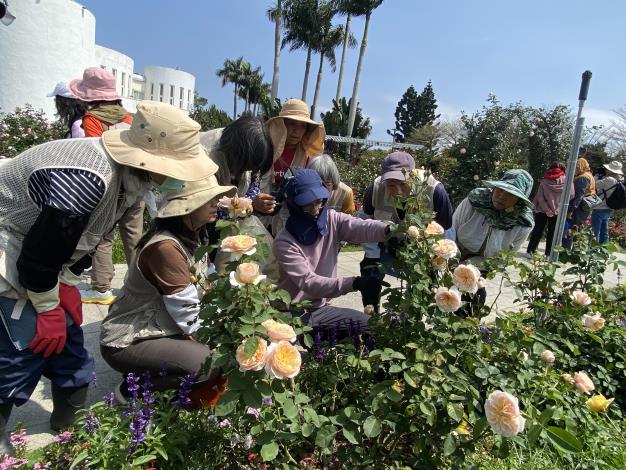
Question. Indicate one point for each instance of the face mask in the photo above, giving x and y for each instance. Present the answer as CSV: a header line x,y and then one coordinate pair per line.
x,y
170,185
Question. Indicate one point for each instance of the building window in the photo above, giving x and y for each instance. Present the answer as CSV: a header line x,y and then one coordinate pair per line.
x,y
123,84
103,67
161,92
114,72
130,86
171,94
189,103
182,96
152,92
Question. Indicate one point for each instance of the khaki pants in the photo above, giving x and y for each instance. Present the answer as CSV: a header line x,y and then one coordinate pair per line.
x,y
131,229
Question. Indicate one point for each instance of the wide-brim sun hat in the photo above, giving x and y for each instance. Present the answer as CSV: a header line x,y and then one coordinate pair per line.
x,y
296,110
97,84
162,139
614,167
192,196
61,89
306,187
516,182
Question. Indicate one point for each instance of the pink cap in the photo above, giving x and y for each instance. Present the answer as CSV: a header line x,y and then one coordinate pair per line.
x,y
97,84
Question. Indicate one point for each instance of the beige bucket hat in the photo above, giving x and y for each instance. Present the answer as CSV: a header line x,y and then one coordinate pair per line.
x,y
162,139
614,167
296,110
192,196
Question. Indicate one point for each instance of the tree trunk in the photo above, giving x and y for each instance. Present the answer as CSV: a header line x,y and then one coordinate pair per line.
x,y
357,78
318,85
277,30
254,109
307,68
235,104
247,108
343,58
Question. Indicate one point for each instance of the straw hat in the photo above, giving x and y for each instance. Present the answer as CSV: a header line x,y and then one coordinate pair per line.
x,y
614,167
296,110
162,139
97,84
192,196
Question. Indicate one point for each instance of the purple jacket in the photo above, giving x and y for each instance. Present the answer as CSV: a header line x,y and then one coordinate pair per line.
x,y
309,272
548,196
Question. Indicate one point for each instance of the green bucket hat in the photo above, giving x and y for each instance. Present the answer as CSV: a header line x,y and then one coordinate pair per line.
x,y
516,182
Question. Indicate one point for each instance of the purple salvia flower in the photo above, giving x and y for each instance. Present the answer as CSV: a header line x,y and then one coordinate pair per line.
x,y
369,343
109,399
132,385
332,336
184,390
63,438
91,423
267,401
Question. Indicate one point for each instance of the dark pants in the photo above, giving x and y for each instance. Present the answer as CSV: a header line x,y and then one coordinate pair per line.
x,y
167,359
21,370
541,220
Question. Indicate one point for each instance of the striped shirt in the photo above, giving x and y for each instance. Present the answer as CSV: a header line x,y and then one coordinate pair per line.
x,y
70,190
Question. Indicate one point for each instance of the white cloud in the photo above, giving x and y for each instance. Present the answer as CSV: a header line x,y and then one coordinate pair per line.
x,y
598,117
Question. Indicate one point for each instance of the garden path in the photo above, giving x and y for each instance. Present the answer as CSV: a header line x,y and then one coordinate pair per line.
x,y
36,413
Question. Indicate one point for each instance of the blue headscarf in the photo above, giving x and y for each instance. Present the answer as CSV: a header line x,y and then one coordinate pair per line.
x,y
304,188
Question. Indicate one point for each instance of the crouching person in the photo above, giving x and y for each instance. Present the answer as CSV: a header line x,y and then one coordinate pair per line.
x,y
307,249
57,201
149,326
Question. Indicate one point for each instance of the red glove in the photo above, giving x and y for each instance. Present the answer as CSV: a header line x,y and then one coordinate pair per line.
x,y
51,332
69,298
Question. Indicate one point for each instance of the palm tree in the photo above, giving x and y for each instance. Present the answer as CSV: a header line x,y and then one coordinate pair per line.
x,y
249,77
232,72
275,14
361,7
345,7
255,90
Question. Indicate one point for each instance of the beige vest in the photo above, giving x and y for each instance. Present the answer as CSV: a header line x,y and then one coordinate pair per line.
x,y
338,197
18,212
384,203
139,311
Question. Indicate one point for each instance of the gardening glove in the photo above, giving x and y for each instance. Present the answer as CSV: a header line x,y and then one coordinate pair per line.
x,y
370,288
370,267
69,298
51,332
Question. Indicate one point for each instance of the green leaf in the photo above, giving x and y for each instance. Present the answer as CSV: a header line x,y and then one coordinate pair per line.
x,y
533,434
264,388
372,426
325,436
480,426
79,458
227,403
546,415
409,380
563,439
290,409
449,445
252,344
455,411
246,330
219,358
349,432
307,429
269,451
252,397
143,459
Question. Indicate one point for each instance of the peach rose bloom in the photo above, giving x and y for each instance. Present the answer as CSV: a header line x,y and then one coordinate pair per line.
x,y
548,357
434,229
279,331
482,282
254,362
241,244
567,378
236,206
283,360
581,298
246,273
445,249
598,403
413,231
465,278
593,322
583,383
503,415
448,300
439,263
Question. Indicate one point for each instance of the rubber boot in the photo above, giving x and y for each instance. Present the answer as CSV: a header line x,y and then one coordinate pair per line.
x,y
66,402
206,394
5,446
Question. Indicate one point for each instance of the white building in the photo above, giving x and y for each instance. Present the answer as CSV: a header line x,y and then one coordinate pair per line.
x,y
54,40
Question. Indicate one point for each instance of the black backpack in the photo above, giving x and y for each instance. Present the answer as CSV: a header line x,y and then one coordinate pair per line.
x,y
617,199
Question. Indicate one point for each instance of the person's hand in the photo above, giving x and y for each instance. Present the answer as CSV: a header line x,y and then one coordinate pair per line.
x,y
370,288
51,332
264,203
69,298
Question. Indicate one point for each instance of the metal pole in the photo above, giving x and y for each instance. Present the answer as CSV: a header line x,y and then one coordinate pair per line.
x,y
571,167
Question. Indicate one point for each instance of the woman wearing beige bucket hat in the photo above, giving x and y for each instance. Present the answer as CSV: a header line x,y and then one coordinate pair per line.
x,y
148,327
57,201
297,139
606,186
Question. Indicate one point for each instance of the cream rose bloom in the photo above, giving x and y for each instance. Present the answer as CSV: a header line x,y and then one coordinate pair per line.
x,y
593,322
581,298
434,229
465,278
413,231
241,244
283,360
446,249
368,310
567,378
503,415
548,357
246,273
583,383
279,331
236,206
448,300
482,282
254,362
439,263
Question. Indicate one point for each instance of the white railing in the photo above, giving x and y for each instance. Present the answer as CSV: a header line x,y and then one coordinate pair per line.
x,y
371,143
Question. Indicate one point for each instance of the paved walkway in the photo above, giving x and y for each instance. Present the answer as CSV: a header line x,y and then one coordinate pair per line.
x,y
36,413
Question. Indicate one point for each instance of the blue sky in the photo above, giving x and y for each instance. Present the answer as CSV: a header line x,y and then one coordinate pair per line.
x,y
532,51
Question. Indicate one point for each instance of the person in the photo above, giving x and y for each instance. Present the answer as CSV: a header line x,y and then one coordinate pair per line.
x,y
296,138
57,200
150,326
341,195
70,110
307,250
379,202
605,186
97,88
546,202
577,213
